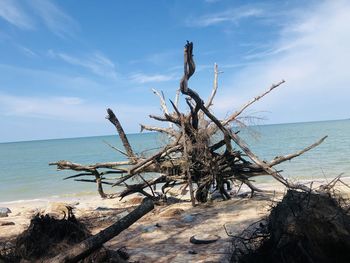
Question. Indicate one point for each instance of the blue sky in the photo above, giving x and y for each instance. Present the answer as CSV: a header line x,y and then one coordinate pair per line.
x,y
62,63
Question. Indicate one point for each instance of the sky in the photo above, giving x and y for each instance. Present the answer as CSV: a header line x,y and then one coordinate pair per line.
x,y
62,63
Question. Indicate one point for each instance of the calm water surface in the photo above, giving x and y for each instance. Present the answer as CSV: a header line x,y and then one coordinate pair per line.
x,y
25,174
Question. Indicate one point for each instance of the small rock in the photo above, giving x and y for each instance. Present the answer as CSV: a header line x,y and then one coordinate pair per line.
x,y
172,200
149,229
204,239
172,212
102,208
192,252
216,195
188,218
4,211
7,223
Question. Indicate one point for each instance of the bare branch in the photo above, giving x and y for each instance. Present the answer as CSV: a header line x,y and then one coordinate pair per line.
x,y
168,131
115,148
162,101
114,120
215,86
238,112
67,165
281,159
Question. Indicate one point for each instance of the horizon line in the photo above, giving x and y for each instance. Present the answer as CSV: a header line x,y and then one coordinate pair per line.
x,y
133,133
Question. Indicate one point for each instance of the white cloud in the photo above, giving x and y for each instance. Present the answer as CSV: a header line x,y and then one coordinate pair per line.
x,y
46,107
14,14
55,19
37,80
96,63
231,16
211,1
312,55
144,78
160,58
27,51
65,108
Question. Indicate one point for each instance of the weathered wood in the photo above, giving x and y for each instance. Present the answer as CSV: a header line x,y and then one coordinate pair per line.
x,y
281,159
67,165
187,161
238,112
215,87
168,131
191,157
114,120
85,248
147,162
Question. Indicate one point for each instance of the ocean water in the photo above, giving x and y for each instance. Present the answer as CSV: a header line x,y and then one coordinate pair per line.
x,y
25,173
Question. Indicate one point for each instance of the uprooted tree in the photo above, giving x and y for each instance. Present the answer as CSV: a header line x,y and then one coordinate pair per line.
x,y
193,157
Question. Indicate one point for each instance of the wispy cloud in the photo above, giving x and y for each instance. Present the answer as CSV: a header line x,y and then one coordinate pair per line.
x,y
211,1
46,107
231,16
11,11
58,107
36,81
159,58
142,78
55,19
97,63
312,55
27,51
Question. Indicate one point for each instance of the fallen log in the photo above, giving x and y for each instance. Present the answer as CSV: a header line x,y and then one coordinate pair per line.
x,y
86,247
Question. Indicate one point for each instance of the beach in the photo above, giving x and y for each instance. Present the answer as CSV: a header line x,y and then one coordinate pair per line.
x,y
163,234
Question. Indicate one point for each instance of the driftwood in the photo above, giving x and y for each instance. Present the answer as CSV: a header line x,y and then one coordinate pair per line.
x,y
86,247
194,156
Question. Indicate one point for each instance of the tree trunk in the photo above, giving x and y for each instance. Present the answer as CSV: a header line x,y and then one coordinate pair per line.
x,y
86,247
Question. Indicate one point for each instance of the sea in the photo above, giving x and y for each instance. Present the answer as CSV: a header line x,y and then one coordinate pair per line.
x,y
25,173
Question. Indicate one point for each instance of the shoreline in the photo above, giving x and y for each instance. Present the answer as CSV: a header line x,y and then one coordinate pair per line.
x,y
163,234
71,197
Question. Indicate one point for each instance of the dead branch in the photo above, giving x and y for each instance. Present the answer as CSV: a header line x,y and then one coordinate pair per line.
x,y
114,120
168,131
238,112
85,248
281,159
215,87
162,101
115,148
67,165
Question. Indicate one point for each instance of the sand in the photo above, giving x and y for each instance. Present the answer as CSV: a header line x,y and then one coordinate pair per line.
x,y
162,235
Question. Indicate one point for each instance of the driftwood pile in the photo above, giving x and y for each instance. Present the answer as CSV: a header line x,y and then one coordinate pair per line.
x,y
303,227
194,157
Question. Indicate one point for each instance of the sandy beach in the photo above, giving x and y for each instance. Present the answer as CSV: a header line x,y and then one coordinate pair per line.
x,y
163,234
